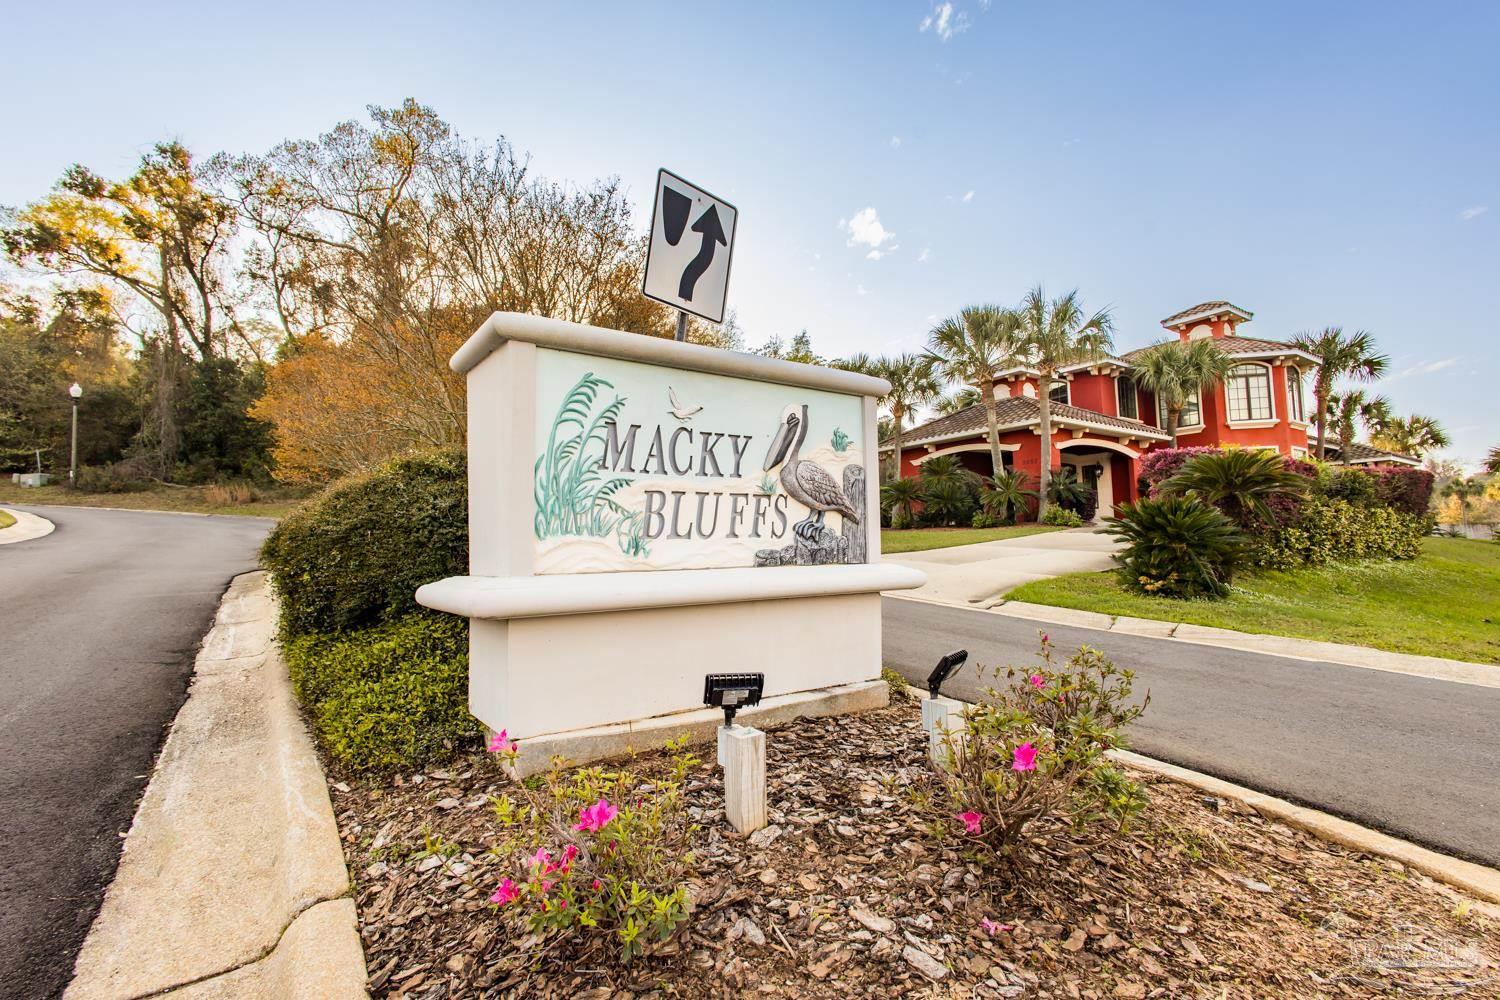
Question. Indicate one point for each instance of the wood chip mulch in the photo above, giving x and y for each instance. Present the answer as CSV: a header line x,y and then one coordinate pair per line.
x,y
844,895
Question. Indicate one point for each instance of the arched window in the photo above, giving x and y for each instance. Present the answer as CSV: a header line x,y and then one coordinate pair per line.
x,y
1295,402
1059,392
1248,392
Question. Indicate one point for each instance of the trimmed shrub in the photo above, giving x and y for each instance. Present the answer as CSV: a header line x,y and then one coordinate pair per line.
x,y
356,554
1353,486
1176,547
389,697
1061,517
1330,529
1404,488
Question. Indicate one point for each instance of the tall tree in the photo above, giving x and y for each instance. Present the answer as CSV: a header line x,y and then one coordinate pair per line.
x,y
1414,435
1492,460
1174,371
1346,409
913,386
1352,356
162,236
953,402
971,348
1464,491
1053,334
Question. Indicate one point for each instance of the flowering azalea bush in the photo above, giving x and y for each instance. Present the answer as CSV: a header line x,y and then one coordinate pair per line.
x,y
596,852
1029,760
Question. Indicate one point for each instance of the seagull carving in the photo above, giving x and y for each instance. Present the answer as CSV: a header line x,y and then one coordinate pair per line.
x,y
683,413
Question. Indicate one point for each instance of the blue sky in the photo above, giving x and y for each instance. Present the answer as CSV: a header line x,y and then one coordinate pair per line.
x,y
1314,163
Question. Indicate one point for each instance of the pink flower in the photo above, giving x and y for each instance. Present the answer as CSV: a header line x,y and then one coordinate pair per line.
x,y
1025,758
569,853
1045,638
597,884
596,816
501,743
991,928
1037,681
970,820
541,857
506,894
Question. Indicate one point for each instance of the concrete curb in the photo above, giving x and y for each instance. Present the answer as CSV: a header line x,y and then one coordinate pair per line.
x,y
1476,880
1465,876
232,881
27,527
1431,667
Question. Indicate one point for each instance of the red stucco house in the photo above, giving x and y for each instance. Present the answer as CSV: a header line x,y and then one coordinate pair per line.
x,y
1102,422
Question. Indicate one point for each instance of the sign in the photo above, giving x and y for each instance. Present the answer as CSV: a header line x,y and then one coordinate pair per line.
x,y
692,242
643,467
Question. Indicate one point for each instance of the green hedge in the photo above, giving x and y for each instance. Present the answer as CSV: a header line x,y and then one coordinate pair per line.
x,y
356,554
388,697
1329,529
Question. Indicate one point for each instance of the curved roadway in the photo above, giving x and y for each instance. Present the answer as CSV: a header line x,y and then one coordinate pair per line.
x,y
99,625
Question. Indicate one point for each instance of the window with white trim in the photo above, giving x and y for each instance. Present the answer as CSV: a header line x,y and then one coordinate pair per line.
x,y
1191,415
1059,393
1247,390
1125,398
1295,401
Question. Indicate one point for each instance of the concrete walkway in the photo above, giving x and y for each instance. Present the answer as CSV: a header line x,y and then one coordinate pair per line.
x,y
977,575
233,882
27,527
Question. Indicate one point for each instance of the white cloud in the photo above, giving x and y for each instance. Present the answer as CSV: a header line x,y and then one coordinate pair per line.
x,y
945,21
1428,367
895,142
865,230
1472,212
922,257
968,197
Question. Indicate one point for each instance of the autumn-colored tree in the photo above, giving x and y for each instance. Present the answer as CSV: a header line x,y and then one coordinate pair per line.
x,y
380,248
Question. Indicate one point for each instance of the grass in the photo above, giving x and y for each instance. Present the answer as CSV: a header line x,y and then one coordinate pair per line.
x,y
920,539
6,520
175,498
1445,603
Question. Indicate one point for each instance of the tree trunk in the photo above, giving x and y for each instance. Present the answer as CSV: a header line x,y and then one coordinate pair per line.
x,y
896,441
1173,414
1321,392
1044,408
992,417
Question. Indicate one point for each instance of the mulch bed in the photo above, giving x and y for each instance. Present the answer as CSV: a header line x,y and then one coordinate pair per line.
x,y
844,895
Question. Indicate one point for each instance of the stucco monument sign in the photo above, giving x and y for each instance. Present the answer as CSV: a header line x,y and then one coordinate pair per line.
x,y
643,512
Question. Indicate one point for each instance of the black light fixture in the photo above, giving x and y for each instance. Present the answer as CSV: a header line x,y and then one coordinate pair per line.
x,y
731,692
946,667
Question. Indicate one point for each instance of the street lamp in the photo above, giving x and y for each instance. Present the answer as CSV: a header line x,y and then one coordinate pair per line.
x,y
75,390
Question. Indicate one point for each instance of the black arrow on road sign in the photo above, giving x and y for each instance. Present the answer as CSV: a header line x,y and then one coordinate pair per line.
x,y
713,234
675,207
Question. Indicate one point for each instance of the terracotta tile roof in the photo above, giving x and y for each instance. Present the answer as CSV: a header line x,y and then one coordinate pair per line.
x,y
1218,305
1022,411
1359,452
1233,346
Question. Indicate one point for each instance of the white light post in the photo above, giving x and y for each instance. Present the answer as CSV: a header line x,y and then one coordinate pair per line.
x,y
75,390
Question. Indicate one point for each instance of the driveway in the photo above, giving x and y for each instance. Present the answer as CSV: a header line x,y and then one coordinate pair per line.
x,y
1412,756
99,623
977,575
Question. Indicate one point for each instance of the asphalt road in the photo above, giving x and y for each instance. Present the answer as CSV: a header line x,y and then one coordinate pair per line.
x,y
99,625
1417,758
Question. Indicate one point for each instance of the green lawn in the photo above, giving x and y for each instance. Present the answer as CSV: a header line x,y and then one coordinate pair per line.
x,y
6,520
919,539
179,498
1445,603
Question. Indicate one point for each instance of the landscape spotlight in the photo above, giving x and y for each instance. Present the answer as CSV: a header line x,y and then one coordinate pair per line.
x,y
946,667
731,691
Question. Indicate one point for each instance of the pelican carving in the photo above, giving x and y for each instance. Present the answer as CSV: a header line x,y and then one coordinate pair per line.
x,y
806,482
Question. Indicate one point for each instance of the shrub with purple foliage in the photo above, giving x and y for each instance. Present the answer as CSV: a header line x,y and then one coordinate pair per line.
x,y
1404,488
1159,466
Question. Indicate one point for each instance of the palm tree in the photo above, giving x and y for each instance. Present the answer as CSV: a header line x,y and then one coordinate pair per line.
x,y
1466,491
1492,460
961,400
1240,482
1053,335
1174,371
913,385
1415,435
970,348
1006,495
1347,408
1339,356
899,497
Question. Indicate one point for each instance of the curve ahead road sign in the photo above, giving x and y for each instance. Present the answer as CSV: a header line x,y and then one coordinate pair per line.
x,y
692,242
